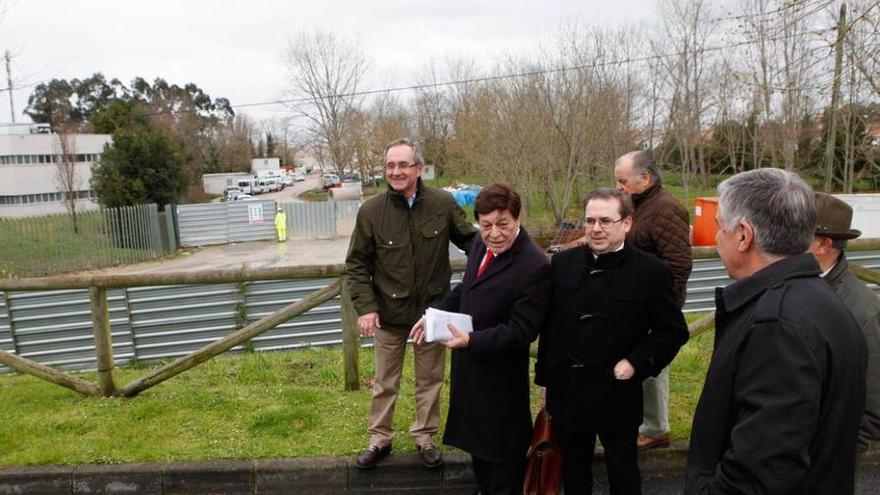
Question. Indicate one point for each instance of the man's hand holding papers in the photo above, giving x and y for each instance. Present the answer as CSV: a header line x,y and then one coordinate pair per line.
x,y
450,329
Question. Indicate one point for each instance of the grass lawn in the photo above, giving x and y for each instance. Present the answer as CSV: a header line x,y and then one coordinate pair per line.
x,y
246,406
47,245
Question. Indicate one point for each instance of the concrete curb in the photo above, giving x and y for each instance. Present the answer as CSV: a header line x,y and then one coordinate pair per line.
x,y
399,474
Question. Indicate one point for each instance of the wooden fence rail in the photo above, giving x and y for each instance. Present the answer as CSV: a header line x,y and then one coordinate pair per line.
x,y
98,285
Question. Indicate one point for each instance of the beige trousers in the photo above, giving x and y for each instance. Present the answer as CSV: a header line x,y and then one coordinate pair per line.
x,y
389,350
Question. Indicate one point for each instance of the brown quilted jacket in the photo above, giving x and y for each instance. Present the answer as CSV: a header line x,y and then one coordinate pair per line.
x,y
660,227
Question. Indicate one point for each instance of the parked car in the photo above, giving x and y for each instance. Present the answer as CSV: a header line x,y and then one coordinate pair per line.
x,y
232,192
330,180
298,177
287,180
243,197
351,177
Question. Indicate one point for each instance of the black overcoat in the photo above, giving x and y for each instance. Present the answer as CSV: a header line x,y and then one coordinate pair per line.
x,y
489,414
780,408
636,318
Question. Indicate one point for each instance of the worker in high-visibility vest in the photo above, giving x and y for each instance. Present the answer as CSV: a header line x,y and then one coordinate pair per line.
x,y
281,224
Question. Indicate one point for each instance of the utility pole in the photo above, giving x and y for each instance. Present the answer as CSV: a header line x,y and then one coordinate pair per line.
x,y
835,95
8,58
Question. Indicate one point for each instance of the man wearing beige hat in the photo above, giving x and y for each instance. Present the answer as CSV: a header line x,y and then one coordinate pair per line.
x,y
833,219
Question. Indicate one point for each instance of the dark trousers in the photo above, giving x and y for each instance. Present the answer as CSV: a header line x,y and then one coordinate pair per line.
x,y
621,459
499,477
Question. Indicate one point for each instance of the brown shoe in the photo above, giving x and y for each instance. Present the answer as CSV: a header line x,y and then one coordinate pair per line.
x,y
370,457
430,456
645,442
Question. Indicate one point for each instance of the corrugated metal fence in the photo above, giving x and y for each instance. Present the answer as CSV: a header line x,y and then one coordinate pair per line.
x,y
311,220
222,223
55,328
236,221
321,219
36,246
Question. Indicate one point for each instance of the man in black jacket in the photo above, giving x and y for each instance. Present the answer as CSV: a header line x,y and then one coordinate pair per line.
x,y
505,289
785,390
613,322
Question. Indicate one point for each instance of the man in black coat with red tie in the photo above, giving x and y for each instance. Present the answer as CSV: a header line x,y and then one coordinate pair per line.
x,y
505,289
613,322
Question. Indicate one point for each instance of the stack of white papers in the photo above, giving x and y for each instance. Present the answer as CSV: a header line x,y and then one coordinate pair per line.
x,y
436,321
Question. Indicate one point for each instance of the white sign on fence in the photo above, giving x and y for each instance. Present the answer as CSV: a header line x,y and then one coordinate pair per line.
x,y
255,213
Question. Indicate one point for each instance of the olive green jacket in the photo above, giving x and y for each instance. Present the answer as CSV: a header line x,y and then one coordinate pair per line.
x,y
398,258
865,306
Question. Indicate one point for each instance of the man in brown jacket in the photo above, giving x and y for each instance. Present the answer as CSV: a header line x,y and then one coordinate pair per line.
x,y
660,227
398,264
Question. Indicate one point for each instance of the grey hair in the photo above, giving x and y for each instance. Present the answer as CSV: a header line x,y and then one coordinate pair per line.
x,y
779,205
406,142
642,161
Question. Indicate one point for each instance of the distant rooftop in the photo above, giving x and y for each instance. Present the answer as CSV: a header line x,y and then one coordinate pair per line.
x,y
25,128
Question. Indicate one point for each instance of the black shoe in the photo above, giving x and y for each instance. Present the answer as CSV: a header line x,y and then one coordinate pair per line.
x,y
370,457
430,456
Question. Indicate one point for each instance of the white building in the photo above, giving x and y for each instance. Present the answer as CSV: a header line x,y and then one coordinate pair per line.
x,y
217,183
29,184
258,164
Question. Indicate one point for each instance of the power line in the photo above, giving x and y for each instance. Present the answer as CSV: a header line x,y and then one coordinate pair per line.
x,y
859,18
756,15
513,75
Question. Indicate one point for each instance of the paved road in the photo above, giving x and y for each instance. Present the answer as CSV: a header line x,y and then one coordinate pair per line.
x,y
291,193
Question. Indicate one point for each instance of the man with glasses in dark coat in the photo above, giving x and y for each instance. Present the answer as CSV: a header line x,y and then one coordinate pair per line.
x,y
613,322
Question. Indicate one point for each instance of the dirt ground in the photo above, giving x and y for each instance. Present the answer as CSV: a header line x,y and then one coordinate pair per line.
x,y
257,254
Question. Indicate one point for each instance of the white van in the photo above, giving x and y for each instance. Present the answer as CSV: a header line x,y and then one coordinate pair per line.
x,y
268,185
248,186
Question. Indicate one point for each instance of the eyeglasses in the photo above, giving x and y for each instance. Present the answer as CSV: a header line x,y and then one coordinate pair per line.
x,y
400,165
604,222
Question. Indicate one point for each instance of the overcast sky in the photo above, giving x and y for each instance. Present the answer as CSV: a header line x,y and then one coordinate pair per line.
x,y
235,49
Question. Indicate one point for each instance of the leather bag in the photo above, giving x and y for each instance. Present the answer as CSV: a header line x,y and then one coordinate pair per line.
x,y
544,468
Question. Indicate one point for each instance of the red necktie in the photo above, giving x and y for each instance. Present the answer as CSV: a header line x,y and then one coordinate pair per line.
x,y
489,256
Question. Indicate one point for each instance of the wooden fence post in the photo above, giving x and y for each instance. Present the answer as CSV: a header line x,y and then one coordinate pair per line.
x,y
866,274
699,326
43,372
103,340
350,340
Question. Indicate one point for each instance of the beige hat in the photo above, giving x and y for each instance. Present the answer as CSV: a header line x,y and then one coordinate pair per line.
x,y
833,218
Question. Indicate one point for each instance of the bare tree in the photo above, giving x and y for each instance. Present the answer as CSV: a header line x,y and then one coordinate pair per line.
x,y
687,31
67,175
372,130
324,74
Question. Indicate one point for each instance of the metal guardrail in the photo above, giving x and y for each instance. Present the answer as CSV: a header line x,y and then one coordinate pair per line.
x,y
159,321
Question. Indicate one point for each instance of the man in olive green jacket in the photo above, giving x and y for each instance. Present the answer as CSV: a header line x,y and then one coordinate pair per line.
x,y
397,264
833,218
